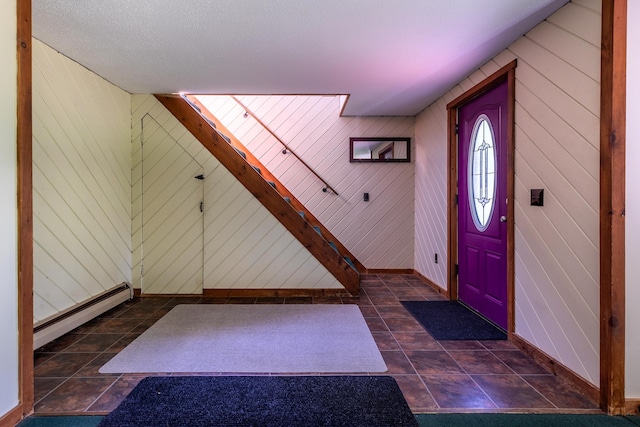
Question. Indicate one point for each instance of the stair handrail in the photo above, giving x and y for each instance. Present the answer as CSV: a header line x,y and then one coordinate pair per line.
x,y
287,149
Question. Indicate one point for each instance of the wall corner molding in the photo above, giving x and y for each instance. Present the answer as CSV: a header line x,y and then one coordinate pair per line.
x,y
612,205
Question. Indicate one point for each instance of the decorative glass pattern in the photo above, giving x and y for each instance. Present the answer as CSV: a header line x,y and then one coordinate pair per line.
x,y
482,173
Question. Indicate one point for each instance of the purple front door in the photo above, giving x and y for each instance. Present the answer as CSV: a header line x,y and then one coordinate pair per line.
x,y
482,204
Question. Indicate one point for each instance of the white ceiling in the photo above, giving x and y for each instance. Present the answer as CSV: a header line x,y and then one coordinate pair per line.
x,y
393,57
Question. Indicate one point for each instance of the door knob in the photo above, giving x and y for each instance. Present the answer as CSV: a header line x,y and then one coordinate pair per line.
x,y
503,218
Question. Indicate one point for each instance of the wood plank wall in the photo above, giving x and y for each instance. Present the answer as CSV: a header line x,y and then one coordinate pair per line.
x,y
81,183
557,148
245,247
379,232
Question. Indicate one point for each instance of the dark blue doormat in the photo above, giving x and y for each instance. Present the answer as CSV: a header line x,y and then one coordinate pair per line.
x,y
263,401
450,320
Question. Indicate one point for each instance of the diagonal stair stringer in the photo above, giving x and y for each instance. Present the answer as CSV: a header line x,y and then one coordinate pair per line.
x,y
281,188
271,193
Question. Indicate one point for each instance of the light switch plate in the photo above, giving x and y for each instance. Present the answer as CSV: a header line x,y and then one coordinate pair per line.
x,y
537,197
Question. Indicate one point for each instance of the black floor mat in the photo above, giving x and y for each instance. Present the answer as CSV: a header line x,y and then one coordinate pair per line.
x,y
450,320
263,401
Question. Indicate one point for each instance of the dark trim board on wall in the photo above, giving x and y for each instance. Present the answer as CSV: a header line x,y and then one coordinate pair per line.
x,y
254,293
389,271
274,293
632,407
25,210
612,205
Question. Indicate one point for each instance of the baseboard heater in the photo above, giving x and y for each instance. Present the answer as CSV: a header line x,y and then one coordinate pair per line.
x,y
48,330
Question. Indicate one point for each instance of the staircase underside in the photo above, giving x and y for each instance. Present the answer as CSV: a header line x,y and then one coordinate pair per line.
x,y
267,189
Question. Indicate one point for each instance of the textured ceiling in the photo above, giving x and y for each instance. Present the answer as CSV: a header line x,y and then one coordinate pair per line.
x,y
393,57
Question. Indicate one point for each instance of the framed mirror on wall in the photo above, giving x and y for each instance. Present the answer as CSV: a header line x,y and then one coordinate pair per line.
x,y
382,150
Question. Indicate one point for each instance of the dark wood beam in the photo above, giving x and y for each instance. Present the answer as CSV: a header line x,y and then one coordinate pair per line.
x,y
25,206
612,205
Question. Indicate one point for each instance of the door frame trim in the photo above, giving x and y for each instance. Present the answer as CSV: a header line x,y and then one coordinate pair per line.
x,y
506,73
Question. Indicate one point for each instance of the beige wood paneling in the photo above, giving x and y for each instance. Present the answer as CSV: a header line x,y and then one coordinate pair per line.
x,y
557,148
245,247
172,220
379,232
431,193
81,183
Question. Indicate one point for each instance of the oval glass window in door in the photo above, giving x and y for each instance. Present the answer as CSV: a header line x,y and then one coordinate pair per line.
x,y
482,173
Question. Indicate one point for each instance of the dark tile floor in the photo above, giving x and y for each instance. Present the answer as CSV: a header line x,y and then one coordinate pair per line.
x,y
435,376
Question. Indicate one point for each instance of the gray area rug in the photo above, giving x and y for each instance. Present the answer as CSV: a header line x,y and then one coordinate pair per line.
x,y
318,338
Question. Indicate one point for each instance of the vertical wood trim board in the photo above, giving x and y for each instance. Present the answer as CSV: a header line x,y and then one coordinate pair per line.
x,y
379,233
612,206
15,147
632,206
557,148
81,183
245,247
25,207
